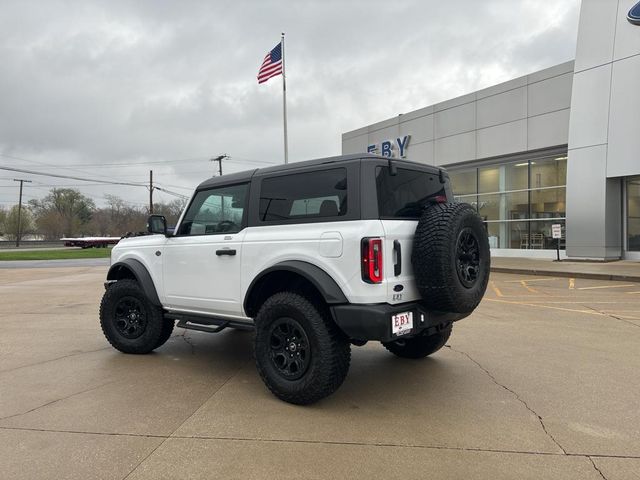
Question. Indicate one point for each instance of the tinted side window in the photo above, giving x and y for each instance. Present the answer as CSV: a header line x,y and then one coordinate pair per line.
x,y
215,211
321,194
405,194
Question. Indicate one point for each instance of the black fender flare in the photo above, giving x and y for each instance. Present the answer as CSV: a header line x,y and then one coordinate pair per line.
x,y
141,275
321,280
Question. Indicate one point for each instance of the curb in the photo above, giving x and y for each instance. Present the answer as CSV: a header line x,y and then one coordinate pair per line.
x,y
552,273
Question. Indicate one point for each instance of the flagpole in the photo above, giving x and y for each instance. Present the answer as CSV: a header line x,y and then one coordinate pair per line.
x,y
284,103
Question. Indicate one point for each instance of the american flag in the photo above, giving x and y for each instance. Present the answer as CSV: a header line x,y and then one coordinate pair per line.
x,y
272,65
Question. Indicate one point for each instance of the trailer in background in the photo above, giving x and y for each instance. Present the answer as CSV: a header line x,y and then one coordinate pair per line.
x,y
90,242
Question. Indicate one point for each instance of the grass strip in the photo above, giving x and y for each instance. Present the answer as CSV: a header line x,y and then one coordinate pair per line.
x,y
66,254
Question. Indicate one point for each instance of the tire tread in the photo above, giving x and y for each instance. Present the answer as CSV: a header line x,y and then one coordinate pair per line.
x,y
334,354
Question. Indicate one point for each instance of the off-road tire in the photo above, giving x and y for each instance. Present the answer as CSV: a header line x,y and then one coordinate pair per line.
x,y
151,326
451,257
167,330
420,346
328,350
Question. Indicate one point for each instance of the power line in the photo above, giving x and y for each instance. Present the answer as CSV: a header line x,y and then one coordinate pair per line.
x,y
178,186
151,162
105,182
41,163
172,193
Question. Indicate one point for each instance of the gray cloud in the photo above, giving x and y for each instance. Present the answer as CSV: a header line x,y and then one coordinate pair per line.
x,y
100,82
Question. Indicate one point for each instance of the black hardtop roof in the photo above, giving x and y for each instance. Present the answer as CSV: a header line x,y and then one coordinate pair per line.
x,y
246,175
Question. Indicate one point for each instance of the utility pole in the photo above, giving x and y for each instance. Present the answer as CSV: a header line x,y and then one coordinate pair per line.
x,y
20,209
219,159
150,192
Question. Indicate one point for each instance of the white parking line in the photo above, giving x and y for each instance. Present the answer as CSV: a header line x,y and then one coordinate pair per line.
x,y
606,286
532,280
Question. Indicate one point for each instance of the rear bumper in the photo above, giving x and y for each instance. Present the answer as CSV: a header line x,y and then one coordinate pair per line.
x,y
373,321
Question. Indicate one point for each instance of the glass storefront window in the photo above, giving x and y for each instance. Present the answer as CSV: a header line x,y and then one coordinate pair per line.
x,y
489,179
549,172
464,182
520,199
633,214
527,235
540,236
548,203
504,206
516,176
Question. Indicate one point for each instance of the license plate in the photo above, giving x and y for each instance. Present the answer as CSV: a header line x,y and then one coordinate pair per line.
x,y
401,323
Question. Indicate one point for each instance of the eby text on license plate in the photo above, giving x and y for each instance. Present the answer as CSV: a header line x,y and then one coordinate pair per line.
x,y
401,323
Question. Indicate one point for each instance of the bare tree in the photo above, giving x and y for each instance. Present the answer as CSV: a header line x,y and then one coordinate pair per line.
x,y
3,218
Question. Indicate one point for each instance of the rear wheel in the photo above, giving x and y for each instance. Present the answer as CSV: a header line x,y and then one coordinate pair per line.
x,y
129,321
420,346
300,354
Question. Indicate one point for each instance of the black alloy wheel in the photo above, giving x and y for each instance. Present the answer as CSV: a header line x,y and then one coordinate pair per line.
x,y
467,257
130,317
290,349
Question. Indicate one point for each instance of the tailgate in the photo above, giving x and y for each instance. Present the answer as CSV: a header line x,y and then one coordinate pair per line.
x,y
398,271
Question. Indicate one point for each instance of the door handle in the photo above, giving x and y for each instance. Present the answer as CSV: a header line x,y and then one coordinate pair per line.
x,y
226,252
397,267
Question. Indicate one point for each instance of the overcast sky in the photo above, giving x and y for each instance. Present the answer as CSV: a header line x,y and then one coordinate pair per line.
x,y
110,89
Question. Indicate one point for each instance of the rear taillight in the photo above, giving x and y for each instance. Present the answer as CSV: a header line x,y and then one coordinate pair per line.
x,y
371,256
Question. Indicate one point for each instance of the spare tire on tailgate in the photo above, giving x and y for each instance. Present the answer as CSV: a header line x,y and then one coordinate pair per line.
x,y
451,259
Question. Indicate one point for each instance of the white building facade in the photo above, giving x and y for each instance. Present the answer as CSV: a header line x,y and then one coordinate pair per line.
x,y
558,146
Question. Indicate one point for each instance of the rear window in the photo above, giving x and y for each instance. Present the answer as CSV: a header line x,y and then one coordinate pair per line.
x,y
405,194
319,194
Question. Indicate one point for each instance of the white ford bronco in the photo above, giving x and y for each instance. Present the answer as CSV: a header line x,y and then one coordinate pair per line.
x,y
315,257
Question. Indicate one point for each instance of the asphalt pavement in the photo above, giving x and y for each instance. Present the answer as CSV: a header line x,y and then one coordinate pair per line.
x,y
541,382
74,262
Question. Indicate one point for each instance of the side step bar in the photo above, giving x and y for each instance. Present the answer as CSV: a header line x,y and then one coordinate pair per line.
x,y
207,324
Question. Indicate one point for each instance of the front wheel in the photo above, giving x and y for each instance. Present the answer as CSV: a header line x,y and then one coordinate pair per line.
x,y
420,346
300,354
129,321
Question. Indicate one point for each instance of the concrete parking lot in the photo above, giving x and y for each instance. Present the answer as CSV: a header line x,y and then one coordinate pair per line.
x,y
541,382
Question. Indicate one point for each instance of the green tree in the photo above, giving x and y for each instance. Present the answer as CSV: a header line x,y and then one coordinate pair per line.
x,y
11,223
64,212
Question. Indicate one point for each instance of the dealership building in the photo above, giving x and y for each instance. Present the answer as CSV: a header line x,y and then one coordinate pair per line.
x,y
558,146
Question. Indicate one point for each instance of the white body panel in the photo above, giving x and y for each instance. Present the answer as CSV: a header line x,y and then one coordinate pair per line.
x,y
199,280
332,246
190,277
402,231
144,250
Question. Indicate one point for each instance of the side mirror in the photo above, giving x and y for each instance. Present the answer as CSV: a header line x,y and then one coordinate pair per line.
x,y
157,224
